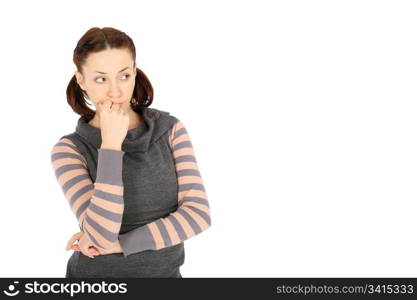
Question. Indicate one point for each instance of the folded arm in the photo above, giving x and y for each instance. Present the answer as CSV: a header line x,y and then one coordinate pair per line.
x,y
193,213
98,206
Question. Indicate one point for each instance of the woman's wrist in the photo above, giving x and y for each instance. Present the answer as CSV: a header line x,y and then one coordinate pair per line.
x,y
111,147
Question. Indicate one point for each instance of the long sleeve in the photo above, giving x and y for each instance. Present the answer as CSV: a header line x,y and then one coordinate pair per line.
x,y
97,206
193,213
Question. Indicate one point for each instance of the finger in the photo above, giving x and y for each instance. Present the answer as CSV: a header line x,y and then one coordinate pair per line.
x,y
75,237
93,251
119,108
75,248
107,104
84,250
93,248
86,253
70,242
115,107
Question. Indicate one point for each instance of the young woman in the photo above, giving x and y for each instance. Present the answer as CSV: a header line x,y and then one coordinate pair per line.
x,y
128,171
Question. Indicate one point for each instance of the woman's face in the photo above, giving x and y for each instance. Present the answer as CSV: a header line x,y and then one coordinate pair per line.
x,y
108,75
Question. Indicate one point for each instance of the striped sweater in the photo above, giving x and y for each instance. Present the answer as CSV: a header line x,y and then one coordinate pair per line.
x,y
99,205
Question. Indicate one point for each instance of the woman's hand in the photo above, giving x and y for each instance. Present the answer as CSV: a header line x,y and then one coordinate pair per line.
x,y
114,123
84,245
87,248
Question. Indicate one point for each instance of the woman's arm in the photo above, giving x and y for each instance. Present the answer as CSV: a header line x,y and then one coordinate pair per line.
x,y
193,213
97,206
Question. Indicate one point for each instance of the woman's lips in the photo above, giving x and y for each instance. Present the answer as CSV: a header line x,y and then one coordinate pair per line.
x,y
113,102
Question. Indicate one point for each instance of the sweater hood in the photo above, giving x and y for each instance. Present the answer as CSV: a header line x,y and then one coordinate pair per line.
x,y
155,123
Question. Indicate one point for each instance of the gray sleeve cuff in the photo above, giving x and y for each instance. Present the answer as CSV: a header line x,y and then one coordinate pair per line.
x,y
137,240
109,166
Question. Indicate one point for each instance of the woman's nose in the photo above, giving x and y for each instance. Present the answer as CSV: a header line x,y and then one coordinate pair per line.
x,y
114,90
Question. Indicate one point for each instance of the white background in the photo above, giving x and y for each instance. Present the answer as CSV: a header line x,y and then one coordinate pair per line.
x,y
302,116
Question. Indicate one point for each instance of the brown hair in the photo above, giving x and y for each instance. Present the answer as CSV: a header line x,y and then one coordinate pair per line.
x,y
95,40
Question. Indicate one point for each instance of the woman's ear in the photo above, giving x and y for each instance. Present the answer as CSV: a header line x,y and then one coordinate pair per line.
x,y
80,79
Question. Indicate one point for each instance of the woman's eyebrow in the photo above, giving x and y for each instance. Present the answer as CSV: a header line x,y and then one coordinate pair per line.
x,y
119,71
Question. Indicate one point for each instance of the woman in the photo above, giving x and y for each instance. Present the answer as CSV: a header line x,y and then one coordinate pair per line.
x,y
128,171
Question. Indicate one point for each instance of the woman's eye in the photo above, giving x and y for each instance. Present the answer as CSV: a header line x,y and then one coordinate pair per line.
x,y
127,76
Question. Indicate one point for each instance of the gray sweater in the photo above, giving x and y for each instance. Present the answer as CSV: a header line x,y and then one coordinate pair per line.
x,y
150,196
